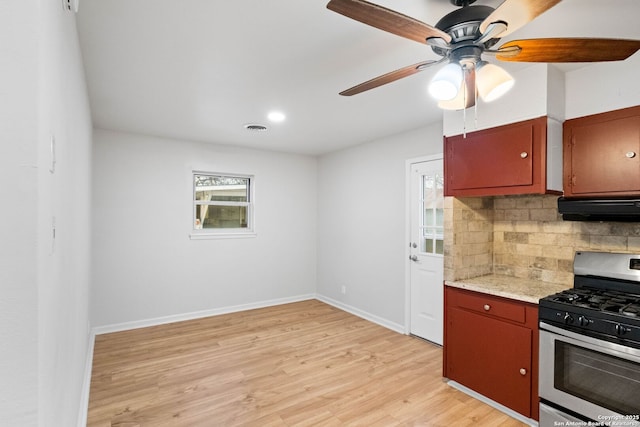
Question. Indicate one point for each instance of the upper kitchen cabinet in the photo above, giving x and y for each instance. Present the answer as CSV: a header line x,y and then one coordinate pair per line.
x,y
602,154
518,158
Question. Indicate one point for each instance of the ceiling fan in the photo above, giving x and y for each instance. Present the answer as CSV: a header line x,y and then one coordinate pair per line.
x,y
464,35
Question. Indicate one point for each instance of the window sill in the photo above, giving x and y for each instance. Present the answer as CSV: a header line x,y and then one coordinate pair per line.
x,y
229,235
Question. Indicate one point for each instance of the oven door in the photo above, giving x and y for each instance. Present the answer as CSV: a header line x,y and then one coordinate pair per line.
x,y
597,379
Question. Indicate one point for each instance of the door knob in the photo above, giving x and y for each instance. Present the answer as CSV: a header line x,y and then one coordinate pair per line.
x,y
413,257
523,371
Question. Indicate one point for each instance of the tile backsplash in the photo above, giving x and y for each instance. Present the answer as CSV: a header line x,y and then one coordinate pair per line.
x,y
523,236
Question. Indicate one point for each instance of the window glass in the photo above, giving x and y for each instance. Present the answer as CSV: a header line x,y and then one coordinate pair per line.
x,y
221,188
222,203
221,216
606,380
433,213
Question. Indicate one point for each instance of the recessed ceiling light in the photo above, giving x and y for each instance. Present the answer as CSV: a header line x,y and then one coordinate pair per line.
x,y
255,127
276,116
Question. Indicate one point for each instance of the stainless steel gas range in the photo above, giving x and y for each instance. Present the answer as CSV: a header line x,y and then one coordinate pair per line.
x,y
590,345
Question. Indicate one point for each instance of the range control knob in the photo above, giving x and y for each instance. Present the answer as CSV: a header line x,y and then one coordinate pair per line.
x,y
583,321
621,329
568,319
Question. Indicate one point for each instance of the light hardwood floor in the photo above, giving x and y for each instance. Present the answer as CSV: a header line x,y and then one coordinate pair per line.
x,y
299,364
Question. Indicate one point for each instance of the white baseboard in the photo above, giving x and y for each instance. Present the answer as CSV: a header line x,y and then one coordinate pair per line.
x,y
493,403
118,327
361,313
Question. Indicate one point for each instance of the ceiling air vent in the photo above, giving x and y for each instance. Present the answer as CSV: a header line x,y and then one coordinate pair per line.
x,y
255,127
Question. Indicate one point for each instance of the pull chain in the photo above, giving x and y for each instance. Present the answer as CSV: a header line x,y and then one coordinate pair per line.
x,y
464,102
475,100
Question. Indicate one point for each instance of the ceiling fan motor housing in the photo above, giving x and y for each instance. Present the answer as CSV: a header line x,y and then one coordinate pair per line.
x,y
458,39
463,3
463,25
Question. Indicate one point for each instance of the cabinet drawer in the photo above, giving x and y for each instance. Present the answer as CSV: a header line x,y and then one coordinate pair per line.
x,y
489,305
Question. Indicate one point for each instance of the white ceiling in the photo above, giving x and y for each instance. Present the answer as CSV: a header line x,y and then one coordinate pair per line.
x,y
201,69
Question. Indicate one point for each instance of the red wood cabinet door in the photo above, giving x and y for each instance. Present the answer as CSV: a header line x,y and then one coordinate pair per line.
x,y
491,357
508,159
602,154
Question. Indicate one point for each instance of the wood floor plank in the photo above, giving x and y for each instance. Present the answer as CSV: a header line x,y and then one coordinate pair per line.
x,y
300,364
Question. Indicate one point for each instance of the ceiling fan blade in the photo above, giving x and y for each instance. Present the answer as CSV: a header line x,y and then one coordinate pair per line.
x,y
389,77
567,50
386,20
466,95
516,13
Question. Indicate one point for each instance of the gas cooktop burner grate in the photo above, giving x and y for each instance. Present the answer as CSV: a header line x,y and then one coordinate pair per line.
x,y
631,310
599,300
604,302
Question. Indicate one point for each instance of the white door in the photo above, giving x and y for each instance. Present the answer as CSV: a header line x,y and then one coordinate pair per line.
x,y
426,250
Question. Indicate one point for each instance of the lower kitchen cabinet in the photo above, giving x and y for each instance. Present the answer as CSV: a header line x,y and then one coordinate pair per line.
x,y
491,347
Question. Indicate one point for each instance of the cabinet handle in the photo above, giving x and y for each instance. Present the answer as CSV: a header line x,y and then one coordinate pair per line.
x,y
524,155
523,371
487,307
630,154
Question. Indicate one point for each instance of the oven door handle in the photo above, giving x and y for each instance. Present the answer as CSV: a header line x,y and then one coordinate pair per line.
x,y
630,351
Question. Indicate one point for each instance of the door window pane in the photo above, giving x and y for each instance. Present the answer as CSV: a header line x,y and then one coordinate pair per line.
x,y
439,217
428,246
432,202
428,218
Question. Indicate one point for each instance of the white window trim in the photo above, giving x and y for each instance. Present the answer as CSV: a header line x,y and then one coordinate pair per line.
x,y
223,233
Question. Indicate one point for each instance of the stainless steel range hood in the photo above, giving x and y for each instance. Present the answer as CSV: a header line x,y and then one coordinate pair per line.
x,y
622,210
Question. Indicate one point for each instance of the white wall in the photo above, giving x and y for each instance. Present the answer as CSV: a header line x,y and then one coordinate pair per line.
x,y
362,230
538,91
44,303
603,87
145,265
18,191
64,264
541,89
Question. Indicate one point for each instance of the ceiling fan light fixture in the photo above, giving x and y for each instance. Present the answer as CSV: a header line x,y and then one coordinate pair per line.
x,y
446,83
492,81
457,103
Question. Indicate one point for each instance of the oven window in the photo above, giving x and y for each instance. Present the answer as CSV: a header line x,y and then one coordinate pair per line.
x,y
602,379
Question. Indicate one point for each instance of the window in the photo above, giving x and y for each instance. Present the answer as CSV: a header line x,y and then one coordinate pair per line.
x,y
433,213
222,204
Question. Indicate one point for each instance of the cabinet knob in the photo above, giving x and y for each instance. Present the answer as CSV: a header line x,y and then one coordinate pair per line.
x,y
523,371
524,155
487,307
630,154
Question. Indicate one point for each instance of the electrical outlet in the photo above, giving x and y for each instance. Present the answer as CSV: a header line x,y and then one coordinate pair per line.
x,y
344,289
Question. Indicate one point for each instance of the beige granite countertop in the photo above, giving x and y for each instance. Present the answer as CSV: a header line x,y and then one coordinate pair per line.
x,y
509,287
